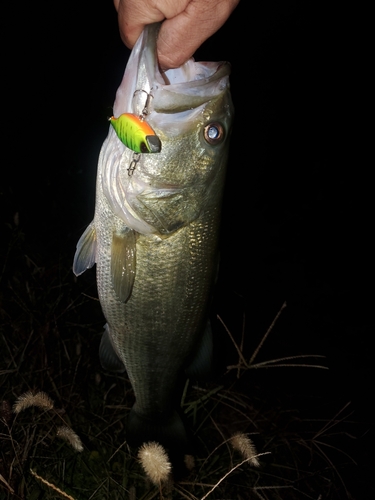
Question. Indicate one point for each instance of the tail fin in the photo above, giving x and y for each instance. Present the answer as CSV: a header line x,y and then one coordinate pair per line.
x,y
170,432
201,366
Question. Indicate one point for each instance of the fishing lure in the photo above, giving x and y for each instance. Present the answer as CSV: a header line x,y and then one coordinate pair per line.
x,y
136,133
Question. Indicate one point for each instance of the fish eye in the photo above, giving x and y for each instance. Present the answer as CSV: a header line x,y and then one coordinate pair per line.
x,y
213,133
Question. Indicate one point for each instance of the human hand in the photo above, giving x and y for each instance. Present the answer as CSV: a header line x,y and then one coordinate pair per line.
x,y
187,24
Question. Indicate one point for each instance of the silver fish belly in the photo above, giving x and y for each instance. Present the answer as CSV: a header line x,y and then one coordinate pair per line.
x,y
154,237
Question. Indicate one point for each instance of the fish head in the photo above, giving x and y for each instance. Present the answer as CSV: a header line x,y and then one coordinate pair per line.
x,y
191,111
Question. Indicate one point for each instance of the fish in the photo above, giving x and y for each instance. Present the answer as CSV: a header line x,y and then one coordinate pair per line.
x,y
155,233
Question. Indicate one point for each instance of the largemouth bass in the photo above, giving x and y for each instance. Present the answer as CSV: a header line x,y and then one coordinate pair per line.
x,y
154,237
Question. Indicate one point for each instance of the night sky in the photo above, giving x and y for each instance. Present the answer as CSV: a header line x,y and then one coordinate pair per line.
x,y
296,217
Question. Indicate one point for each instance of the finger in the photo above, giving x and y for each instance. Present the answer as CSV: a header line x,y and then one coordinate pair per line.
x,y
181,36
132,18
134,15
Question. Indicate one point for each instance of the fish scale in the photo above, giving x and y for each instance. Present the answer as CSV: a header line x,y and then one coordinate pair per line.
x,y
171,320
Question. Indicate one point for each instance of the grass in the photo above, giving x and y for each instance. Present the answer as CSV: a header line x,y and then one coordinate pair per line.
x,y
62,418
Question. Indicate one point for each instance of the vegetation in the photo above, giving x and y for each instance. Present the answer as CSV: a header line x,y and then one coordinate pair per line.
x,y
62,418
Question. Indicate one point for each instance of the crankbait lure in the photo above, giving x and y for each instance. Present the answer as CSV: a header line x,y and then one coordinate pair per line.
x,y
136,133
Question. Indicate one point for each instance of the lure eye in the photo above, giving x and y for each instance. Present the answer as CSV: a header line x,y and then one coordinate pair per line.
x,y
213,133
143,148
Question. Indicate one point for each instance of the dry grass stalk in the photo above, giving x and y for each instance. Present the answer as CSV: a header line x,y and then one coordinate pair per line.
x,y
51,485
70,436
2,479
272,363
227,474
40,399
155,462
254,355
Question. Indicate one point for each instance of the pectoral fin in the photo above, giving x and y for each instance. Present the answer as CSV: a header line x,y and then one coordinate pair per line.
x,y
84,257
123,262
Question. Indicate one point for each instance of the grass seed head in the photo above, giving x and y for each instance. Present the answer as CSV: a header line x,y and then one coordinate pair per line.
x,y
246,447
155,462
70,436
40,399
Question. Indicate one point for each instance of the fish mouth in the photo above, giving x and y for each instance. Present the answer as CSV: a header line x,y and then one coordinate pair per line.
x,y
146,90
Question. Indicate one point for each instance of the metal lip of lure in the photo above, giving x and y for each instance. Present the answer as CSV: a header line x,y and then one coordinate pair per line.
x,y
136,133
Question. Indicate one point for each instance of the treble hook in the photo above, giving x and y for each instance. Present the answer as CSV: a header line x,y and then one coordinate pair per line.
x,y
145,110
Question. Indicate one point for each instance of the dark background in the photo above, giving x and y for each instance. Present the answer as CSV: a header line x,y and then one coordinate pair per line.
x,y
296,216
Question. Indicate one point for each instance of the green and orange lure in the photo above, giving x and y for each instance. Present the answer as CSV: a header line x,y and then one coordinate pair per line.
x,y
136,133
